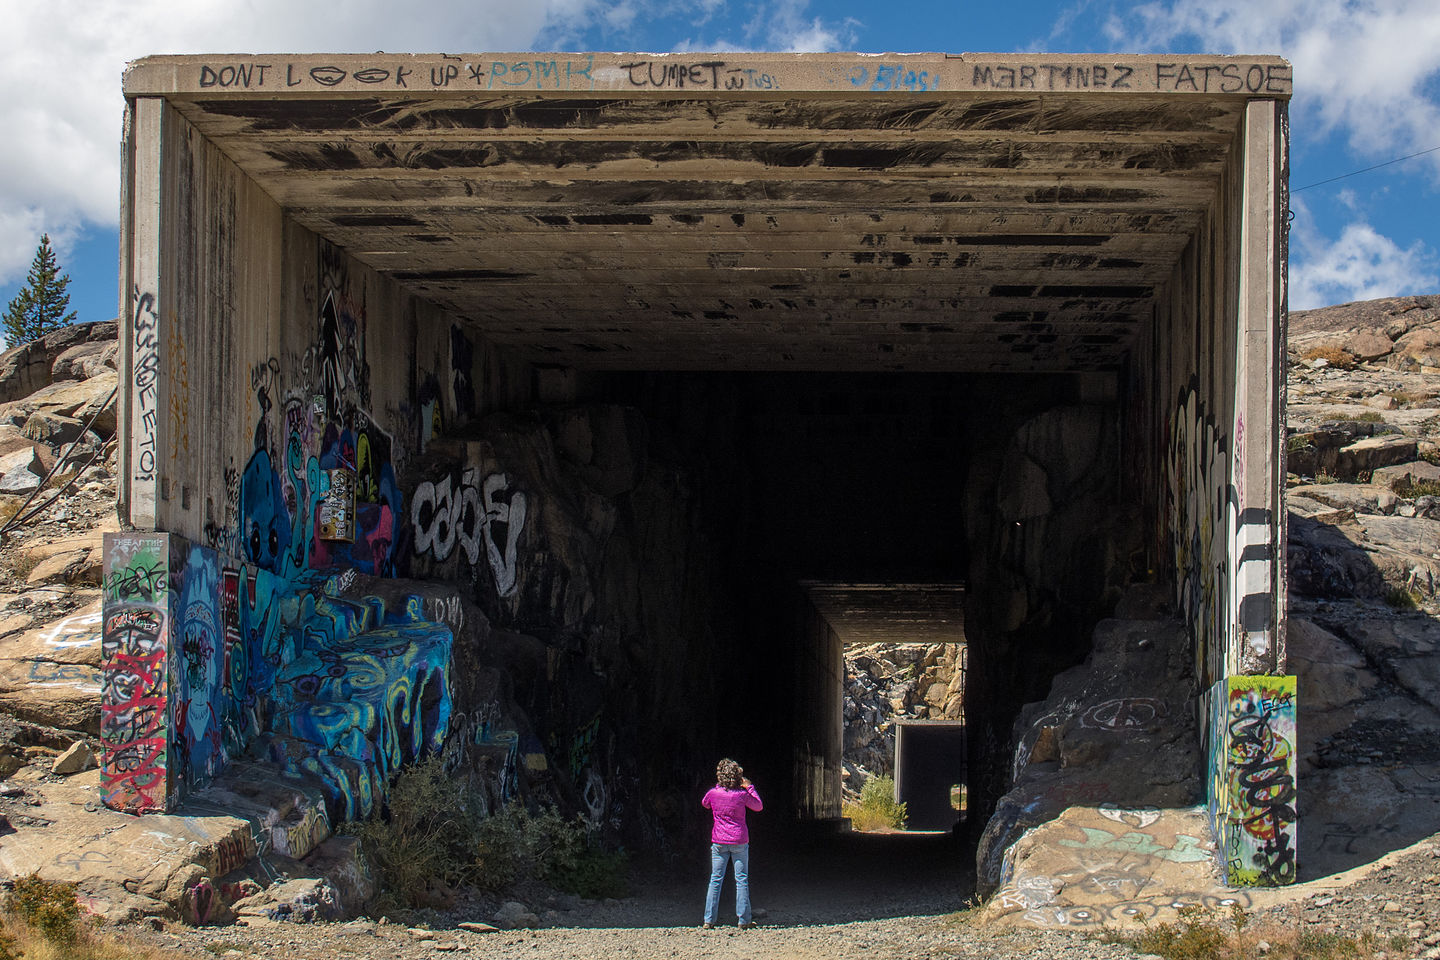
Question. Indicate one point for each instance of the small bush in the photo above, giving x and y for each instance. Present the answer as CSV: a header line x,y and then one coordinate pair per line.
x,y
1332,354
49,907
876,809
1401,598
1410,489
429,839
517,845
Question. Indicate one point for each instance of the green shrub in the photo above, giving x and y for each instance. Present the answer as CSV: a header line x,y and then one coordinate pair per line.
x,y
877,808
429,838
515,844
1401,598
1410,489
49,907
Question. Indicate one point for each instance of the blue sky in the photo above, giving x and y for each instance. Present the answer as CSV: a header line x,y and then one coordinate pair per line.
x,y
1367,80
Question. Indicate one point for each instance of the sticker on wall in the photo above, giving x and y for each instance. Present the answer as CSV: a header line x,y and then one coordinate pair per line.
x,y
337,507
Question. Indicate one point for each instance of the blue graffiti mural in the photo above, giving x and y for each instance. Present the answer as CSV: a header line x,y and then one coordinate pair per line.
x,y
362,693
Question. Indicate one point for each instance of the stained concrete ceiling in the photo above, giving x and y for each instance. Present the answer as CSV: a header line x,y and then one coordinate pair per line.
x,y
670,227
864,613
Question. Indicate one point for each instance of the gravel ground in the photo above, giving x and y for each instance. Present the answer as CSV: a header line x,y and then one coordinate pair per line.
x,y
877,898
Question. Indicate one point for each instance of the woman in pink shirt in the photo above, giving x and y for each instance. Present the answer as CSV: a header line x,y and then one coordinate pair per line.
x,y
728,800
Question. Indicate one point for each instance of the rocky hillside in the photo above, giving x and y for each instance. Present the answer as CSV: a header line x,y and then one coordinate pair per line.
x,y
885,682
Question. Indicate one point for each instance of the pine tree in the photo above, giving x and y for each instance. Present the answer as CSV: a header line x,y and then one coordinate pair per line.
x,y
40,305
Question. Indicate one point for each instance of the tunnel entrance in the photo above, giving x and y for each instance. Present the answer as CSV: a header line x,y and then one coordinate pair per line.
x,y
640,386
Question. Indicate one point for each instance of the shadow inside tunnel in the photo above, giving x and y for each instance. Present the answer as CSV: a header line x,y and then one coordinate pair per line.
x,y
800,878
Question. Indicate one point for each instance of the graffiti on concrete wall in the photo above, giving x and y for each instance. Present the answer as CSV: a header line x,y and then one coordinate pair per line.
x,y
319,490
1222,551
1114,871
362,694
1252,759
134,696
198,673
477,516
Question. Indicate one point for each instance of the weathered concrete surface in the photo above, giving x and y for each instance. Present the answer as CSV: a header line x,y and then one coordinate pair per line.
x,y
1095,866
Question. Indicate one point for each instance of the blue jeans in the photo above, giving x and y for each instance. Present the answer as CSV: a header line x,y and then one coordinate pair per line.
x,y
739,855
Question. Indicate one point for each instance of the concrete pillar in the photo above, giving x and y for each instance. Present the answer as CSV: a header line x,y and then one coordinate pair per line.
x,y
1258,433
137,773
141,316
1251,711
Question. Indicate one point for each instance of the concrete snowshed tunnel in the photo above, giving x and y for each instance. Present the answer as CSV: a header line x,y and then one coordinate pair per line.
x,y
601,358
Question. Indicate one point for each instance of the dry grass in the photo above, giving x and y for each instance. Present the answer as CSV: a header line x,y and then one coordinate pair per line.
x,y
1331,354
41,921
1205,935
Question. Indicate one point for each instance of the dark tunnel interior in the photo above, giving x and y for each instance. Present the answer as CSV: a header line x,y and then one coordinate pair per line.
x,y
844,477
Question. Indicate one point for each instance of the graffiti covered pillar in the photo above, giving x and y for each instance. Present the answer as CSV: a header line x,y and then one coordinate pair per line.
x,y
1251,710
136,770
1252,779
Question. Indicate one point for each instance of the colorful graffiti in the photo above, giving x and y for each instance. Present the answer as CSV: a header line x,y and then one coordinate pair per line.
x,y
209,647
198,674
135,773
1252,778
366,692
447,512
1222,550
1110,876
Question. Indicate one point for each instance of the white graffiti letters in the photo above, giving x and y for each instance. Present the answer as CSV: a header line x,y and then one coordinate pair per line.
x,y
445,514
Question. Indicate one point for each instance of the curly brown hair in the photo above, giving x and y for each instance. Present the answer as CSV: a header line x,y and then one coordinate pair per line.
x,y
728,774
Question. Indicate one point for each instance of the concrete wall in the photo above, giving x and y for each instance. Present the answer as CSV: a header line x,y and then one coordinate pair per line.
x,y
276,388
818,720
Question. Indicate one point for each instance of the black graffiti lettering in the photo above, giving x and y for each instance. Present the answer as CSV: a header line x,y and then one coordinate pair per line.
x,y
1027,77
1206,70
240,75
1163,72
1230,78
1255,78
1186,75
476,72
1268,794
372,75
327,76
1277,79
678,75
1006,77
290,80
1098,74
1121,82
441,76
400,74
982,77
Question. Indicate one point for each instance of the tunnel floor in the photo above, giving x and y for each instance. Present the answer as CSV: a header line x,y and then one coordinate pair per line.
x,y
802,881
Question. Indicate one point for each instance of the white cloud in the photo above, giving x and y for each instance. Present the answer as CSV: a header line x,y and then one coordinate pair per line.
x,y
61,73
1365,68
1360,264
782,26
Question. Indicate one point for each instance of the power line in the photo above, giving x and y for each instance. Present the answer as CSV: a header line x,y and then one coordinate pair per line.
x,y
1354,173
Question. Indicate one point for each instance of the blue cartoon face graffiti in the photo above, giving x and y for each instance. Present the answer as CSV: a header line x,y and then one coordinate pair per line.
x,y
265,522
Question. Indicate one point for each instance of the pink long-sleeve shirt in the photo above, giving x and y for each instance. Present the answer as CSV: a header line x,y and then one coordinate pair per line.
x,y
729,808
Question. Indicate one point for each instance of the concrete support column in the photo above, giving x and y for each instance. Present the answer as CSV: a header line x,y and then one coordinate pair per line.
x,y
1258,431
1251,711
141,314
137,772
